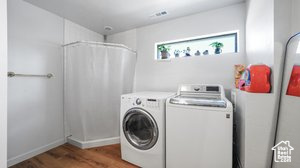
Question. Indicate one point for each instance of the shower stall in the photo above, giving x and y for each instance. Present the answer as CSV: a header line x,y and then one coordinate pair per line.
x,y
96,74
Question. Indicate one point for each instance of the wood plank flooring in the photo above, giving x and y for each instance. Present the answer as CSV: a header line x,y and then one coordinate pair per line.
x,y
68,156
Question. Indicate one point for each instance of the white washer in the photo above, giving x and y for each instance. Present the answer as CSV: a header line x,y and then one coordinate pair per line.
x,y
143,128
199,128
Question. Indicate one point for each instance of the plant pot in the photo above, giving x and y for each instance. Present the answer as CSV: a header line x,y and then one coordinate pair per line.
x,y
205,52
176,55
164,55
187,54
218,51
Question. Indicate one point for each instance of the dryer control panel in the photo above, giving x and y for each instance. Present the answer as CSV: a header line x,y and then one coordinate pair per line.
x,y
152,103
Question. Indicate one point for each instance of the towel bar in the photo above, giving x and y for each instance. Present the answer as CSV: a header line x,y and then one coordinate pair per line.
x,y
12,74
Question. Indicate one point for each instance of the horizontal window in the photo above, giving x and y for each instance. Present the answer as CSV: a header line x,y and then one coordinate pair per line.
x,y
210,45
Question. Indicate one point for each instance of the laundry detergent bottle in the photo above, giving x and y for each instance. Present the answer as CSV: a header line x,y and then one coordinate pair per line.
x,y
259,79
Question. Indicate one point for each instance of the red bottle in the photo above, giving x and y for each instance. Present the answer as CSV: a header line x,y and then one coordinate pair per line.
x,y
259,79
294,84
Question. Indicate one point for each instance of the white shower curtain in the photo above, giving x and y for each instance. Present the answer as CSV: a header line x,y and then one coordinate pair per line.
x,y
95,77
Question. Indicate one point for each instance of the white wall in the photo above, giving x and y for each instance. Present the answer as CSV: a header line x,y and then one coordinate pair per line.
x,y
35,105
260,49
287,23
267,30
269,25
74,32
127,38
295,26
282,32
260,32
167,75
3,83
217,69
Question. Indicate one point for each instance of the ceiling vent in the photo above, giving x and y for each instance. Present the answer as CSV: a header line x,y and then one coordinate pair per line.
x,y
159,14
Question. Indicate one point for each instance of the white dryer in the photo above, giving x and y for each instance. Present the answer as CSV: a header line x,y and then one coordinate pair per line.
x,y
143,128
199,128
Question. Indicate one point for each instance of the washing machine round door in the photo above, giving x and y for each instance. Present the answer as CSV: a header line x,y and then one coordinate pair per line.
x,y
140,129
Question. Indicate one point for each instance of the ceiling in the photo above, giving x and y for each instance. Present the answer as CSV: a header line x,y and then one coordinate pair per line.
x,y
124,15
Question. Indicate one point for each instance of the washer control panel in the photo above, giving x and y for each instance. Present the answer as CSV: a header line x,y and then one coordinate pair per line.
x,y
142,102
198,89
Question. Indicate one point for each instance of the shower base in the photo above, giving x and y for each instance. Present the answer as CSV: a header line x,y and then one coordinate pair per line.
x,y
93,143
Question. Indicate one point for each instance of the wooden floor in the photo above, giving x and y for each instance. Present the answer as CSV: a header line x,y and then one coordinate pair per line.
x,y
68,156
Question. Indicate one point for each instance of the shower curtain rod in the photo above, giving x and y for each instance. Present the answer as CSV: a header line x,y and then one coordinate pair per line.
x,y
99,43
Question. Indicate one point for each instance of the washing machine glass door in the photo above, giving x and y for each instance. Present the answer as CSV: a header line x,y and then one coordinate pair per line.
x,y
140,129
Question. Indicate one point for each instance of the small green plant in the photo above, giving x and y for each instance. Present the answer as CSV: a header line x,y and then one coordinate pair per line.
x,y
163,48
177,53
217,45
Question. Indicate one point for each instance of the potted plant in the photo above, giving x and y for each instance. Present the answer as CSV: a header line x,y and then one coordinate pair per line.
x,y
218,47
176,53
164,50
187,52
197,53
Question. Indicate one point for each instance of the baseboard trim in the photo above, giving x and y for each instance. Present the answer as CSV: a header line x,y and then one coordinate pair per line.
x,y
93,143
32,153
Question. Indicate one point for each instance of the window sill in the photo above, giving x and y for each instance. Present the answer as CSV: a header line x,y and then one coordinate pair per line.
x,y
194,56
